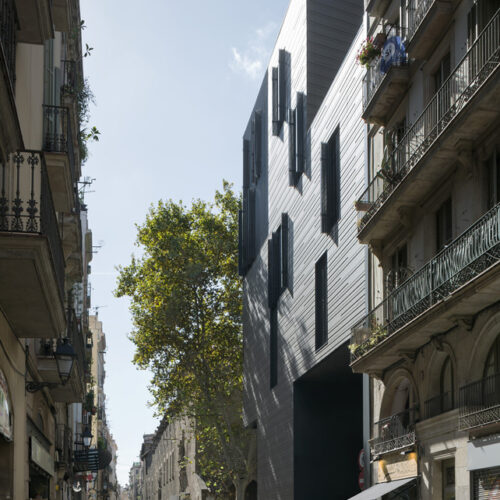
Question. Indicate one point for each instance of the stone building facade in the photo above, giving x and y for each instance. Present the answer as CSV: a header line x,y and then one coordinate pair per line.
x,y
168,460
430,217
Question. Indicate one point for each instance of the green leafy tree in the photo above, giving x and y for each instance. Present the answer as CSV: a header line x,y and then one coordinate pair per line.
x,y
186,301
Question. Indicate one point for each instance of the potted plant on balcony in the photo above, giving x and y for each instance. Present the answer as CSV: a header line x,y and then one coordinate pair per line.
x,y
368,52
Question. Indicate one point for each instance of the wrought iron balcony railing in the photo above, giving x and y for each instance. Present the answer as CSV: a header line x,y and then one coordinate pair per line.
x,y
374,73
8,28
479,63
26,204
416,12
395,432
439,404
57,134
480,403
461,261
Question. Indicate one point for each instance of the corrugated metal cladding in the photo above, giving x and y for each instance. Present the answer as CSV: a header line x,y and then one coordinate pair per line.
x,y
486,484
320,38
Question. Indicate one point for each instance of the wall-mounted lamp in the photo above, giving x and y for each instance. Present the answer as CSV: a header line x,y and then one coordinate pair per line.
x,y
86,437
65,357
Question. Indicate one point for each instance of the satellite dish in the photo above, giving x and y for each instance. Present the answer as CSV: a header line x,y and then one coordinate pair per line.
x,y
77,487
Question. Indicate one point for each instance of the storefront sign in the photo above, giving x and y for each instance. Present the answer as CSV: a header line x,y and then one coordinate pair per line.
x,y
5,412
41,456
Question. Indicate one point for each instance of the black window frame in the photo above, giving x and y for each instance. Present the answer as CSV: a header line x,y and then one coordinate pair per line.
x,y
296,123
321,301
330,182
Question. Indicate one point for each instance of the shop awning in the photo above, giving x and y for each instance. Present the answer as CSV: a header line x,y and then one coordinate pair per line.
x,y
381,489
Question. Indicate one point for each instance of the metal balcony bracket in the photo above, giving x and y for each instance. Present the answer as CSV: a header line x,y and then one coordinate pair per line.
x,y
37,386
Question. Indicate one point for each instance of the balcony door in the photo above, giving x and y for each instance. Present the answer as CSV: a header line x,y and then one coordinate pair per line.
x,y
491,380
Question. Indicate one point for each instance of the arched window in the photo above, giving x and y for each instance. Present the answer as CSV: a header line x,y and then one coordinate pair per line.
x,y
493,360
447,383
251,491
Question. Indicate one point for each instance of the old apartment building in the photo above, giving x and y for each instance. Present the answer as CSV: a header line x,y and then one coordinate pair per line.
x,y
422,171
430,217
304,271
45,251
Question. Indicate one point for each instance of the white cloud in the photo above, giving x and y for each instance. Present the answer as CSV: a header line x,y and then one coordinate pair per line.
x,y
252,60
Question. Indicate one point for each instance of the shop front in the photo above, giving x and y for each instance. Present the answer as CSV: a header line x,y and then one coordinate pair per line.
x,y
41,469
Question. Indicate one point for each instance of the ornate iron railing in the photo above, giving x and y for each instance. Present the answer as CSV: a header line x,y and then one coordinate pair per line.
x,y
416,12
481,60
480,402
64,445
57,134
8,28
466,257
439,404
26,204
395,432
374,75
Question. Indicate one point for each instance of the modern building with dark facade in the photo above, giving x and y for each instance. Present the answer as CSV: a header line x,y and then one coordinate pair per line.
x,y
304,270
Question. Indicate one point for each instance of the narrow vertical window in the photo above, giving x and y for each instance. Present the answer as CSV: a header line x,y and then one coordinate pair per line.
x,y
330,183
321,302
300,129
292,148
273,348
284,252
282,85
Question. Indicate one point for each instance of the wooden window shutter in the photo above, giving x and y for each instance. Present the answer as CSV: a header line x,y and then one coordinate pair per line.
x,y
284,251
292,166
275,103
299,134
326,222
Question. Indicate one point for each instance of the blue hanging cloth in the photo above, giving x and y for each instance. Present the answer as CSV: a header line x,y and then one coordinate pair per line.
x,y
393,53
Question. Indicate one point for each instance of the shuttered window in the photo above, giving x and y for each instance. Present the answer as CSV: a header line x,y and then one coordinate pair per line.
x,y
256,146
330,182
278,261
279,86
486,484
246,229
273,348
296,122
321,302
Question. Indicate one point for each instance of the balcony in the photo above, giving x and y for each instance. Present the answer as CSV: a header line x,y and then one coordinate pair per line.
x,y
64,446
465,106
394,433
59,155
383,91
61,15
10,133
459,281
35,21
427,20
480,403
31,257
438,404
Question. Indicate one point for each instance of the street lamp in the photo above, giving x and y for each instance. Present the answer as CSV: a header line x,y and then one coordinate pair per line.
x,y
86,436
65,357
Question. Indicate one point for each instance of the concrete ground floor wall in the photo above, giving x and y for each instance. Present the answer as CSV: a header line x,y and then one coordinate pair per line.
x,y
310,435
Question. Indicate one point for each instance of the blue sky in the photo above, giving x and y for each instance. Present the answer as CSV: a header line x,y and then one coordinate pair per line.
x,y
174,83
